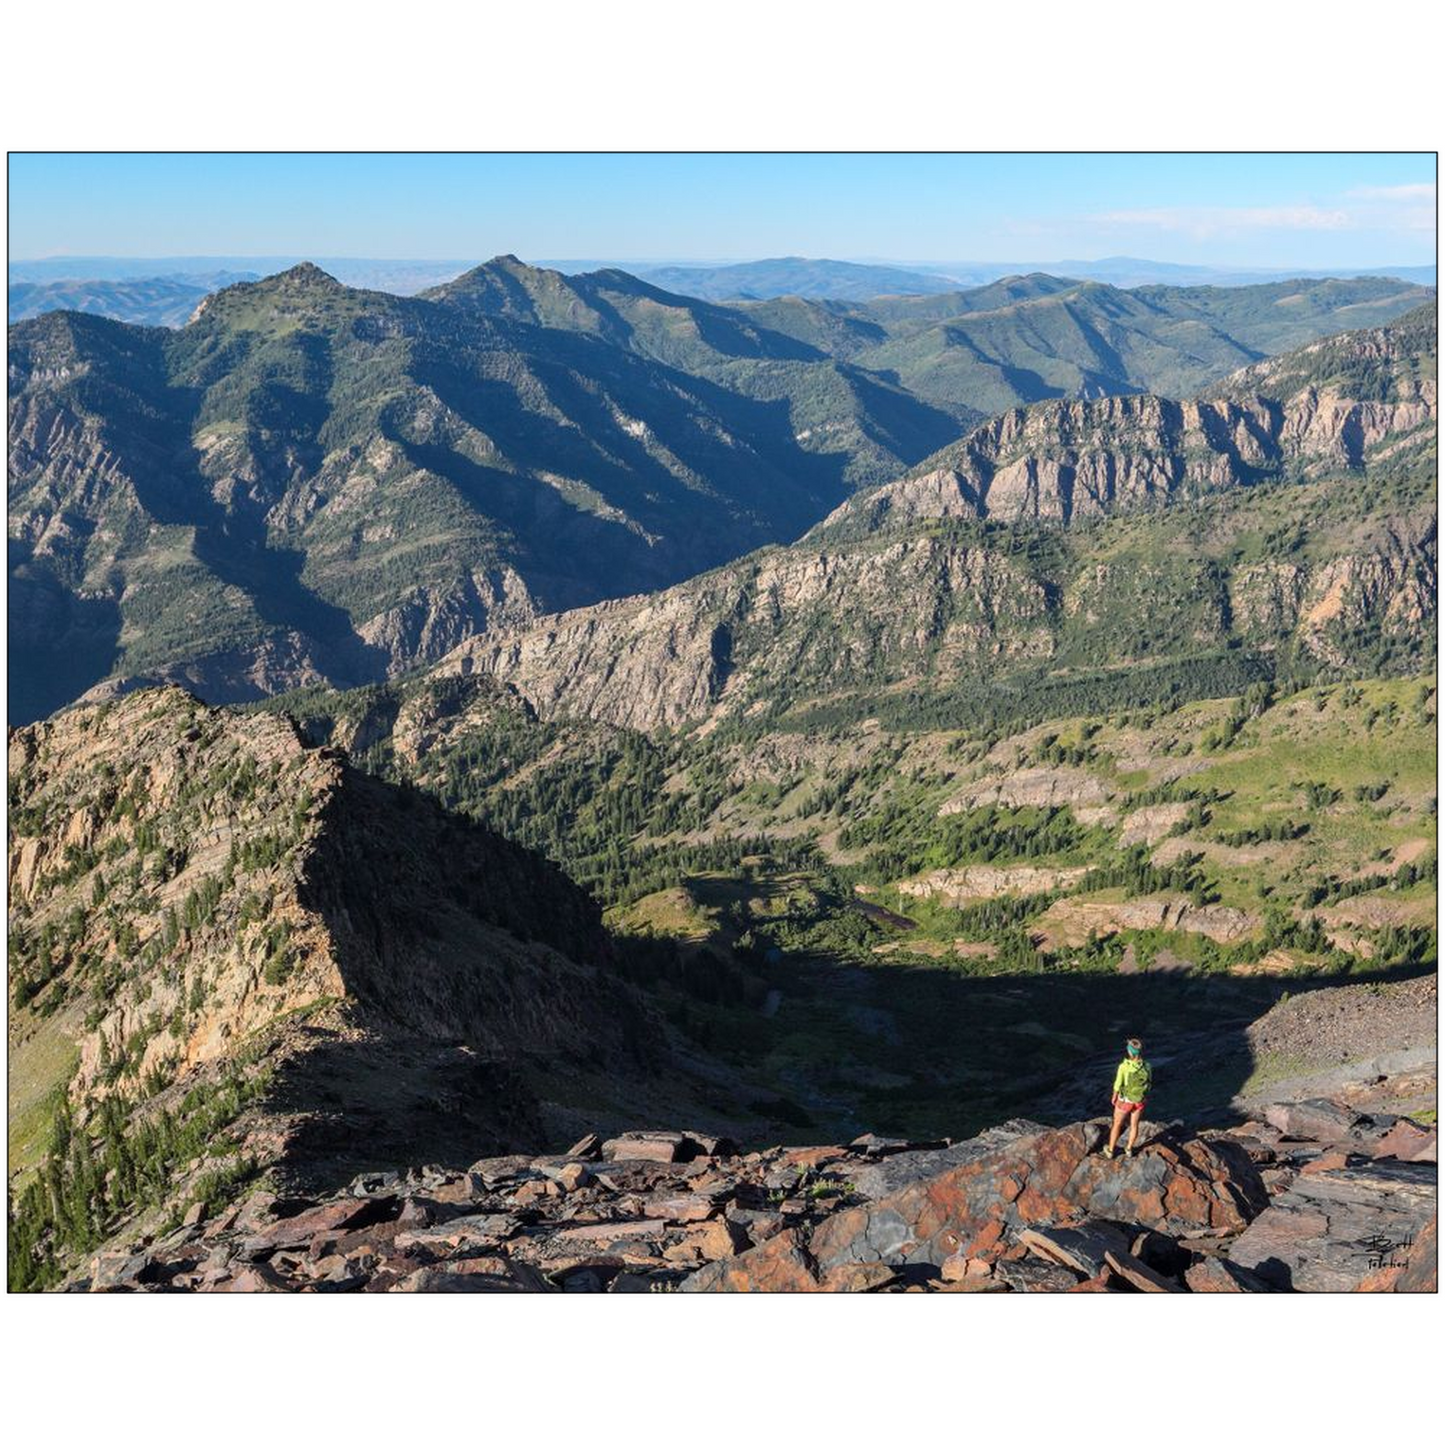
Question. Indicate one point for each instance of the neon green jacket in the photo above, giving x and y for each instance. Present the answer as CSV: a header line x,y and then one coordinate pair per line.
x,y
1132,1080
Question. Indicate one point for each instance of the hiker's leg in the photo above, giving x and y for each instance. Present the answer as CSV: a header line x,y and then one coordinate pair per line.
x,y
1134,1116
1118,1124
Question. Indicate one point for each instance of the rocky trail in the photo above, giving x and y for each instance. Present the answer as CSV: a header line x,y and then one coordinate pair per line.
x,y
1311,1195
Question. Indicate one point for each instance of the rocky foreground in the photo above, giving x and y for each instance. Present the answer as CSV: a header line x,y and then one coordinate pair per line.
x,y
1310,1196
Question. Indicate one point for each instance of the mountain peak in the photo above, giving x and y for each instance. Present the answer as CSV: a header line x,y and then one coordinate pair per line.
x,y
306,273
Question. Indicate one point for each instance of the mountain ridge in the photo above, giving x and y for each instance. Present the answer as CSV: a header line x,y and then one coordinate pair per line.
x,y
311,483
724,642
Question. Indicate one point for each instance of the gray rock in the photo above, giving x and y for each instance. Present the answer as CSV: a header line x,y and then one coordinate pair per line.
x,y
1084,1248
1035,1276
874,1180
1330,1231
1315,1119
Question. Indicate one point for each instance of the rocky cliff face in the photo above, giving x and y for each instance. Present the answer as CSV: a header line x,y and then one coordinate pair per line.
x,y
933,612
834,619
910,586
1334,407
203,907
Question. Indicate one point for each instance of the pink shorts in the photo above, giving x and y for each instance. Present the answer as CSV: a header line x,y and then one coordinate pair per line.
x,y
1125,1107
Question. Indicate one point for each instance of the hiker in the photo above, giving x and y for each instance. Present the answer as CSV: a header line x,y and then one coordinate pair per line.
x,y
1131,1087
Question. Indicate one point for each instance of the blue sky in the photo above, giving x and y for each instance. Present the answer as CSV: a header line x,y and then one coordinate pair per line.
x,y
1247,210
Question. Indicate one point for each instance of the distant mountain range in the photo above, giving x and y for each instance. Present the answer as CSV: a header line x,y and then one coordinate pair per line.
x,y
147,301
853,281
796,276
1131,271
722,281
401,277
310,482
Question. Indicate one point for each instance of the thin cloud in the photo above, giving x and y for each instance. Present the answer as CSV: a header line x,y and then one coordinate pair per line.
x,y
1204,222
1423,191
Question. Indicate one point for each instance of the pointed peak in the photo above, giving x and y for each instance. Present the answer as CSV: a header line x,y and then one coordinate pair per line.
x,y
307,273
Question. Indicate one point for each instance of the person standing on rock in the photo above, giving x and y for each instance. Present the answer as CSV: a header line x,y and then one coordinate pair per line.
x,y
1131,1087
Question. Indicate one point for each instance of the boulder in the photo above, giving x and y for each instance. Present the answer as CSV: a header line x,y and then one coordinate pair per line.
x,y
680,1208
1407,1140
299,1228
469,1231
890,1170
1330,1159
717,1239
1321,1120
780,1266
714,1146
464,1190
1046,1178
760,1224
661,1147
251,1279
1084,1249
573,1176
122,1270
614,1229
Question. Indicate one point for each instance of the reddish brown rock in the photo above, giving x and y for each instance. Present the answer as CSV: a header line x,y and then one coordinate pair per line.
x,y
1198,1185
574,1176
717,1146
717,1239
1335,1159
816,1156
1140,1275
1220,1276
616,1229
466,1190
658,1146
1407,1140
251,1279
680,1208
858,1278
955,1267
470,1231
781,1266
299,1228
